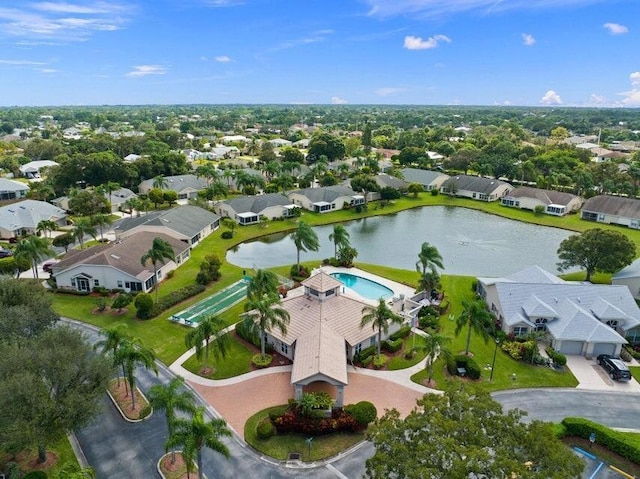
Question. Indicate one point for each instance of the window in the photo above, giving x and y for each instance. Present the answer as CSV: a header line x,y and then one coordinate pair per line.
x,y
284,348
358,348
372,341
96,282
73,282
520,330
613,323
120,284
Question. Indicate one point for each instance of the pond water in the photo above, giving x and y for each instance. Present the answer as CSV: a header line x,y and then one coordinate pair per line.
x,y
470,242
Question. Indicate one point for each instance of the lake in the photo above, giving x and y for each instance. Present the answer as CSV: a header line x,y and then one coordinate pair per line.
x,y
470,242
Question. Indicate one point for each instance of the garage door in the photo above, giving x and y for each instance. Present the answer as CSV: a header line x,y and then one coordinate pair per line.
x,y
604,348
571,347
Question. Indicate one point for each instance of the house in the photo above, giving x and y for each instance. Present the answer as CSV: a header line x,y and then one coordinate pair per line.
x,y
32,169
630,277
248,210
430,180
324,331
187,223
12,190
117,265
22,218
387,181
326,198
132,158
614,210
119,197
234,139
476,187
279,142
554,203
580,318
186,186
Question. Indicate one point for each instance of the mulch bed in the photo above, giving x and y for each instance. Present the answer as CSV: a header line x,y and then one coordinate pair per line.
x,y
175,470
278,359
122,396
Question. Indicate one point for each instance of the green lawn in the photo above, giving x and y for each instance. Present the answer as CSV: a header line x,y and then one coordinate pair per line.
x,y
400,362
279,447
236,362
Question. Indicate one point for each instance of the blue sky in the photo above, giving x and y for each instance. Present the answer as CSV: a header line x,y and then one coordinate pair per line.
x,y
467,52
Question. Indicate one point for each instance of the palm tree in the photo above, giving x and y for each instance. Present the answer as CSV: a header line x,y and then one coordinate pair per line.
x,y
101,220
160,182
429,257
305,239
171,398
340,238
46,226
208,328
81,228
110,187
433,346
160,250
229,174
132,204
476,316
33,250
380,318
196,433
208,171
114,337
131,354
264,282
429,281
264,313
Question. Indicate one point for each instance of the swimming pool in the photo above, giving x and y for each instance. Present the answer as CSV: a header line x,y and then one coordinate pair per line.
x,y
363,286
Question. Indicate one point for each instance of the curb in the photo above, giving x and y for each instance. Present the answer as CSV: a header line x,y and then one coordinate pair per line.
x,y
124,416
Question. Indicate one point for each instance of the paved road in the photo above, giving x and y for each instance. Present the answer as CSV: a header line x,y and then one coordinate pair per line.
x,y
124,450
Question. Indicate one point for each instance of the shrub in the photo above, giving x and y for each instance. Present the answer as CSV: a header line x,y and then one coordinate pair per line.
x,y
539,209
612,440
226,235
209,270
144,305
35,475
298,275
625,355
379,361
364,354
265,429
101,290
557,358
101,304
367,361
290,421
175,297
466,362
392,346
403,332
435,192
121,301
260,361
363,412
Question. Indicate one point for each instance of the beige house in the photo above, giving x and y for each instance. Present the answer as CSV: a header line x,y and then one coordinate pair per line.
x,y
476,187
326,198
248,210
614,210
554,203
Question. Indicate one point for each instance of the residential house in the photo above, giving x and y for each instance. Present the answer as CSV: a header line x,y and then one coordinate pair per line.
x,y
430,180
615,210
119,197
324,331
580,318
326,198
555,203
476,187
187,223
279,142
387,181
32,169
186,186
12,190
302,144
118,265
234,139
630,277
22,218
132,158
248,210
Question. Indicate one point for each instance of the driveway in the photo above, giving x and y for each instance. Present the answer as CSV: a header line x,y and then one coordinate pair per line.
x,y
592,377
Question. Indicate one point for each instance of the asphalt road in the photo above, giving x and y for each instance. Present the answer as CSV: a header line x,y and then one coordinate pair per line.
x,y
118,449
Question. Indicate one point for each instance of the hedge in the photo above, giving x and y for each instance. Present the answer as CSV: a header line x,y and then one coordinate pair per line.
x,y
364,354
175,297
462,361
392,346
403,332
558,358
607,437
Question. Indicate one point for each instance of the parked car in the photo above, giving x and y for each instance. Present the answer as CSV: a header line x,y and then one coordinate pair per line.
x,y
616,368
5,253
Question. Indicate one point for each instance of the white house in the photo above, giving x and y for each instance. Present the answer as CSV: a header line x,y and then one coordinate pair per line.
x,y
32,169
12,190
430,180
119,197
476,187
187,223
629,276
555,203
186,186
248,210
580,318
614,210
326,198
117,265
22,218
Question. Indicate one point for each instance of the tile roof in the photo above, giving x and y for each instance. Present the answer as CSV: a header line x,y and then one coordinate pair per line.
x,y
320,351
123,255
322,282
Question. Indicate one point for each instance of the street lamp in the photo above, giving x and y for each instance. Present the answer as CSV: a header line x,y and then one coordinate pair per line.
x,y
493,364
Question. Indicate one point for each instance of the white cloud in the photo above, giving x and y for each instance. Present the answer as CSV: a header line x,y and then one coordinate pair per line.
x,y
417,43
62,21
20,62
389,91
430,8
632,97
551,98
336,100
144,70
223,3
595,99
314,37
615,28
48,70
528,39
223,59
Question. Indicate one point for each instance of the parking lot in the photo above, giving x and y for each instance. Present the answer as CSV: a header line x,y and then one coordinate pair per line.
x,y
594,468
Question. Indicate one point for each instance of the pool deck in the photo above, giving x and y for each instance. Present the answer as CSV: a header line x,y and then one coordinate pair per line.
x,y
397,288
